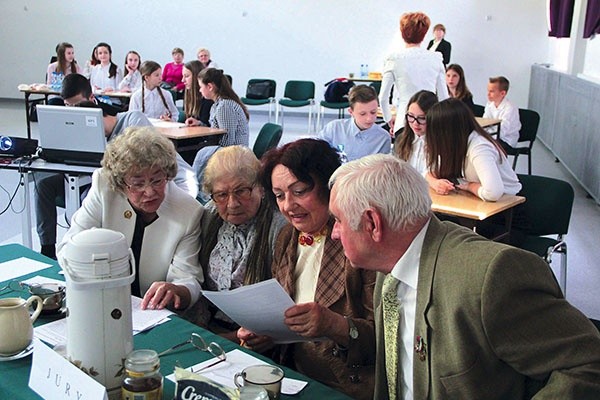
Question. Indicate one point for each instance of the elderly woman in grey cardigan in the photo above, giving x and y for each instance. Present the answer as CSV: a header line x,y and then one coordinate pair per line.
x,y
239,230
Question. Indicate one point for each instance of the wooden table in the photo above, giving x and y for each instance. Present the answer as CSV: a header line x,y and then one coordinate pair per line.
x,y
470,209
45,91
189,139
489,123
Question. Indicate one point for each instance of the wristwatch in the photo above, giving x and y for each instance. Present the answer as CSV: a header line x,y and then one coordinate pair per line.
x,y
353,331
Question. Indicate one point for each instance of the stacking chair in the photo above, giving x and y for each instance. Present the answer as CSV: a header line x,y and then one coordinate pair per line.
x,y
297,94
530,120
334,106
261,97
268,137
547,211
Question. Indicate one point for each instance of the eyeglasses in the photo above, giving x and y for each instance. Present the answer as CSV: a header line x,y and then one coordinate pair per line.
x,y
198,342
421,119
243,193
139,187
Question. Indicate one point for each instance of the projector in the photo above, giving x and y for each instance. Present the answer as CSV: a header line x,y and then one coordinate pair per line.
x,y
17,147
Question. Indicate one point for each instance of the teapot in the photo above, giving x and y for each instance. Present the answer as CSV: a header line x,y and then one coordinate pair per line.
x,y
16,325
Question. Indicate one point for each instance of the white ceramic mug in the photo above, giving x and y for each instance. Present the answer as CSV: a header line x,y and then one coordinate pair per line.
x,y
267,377
16,325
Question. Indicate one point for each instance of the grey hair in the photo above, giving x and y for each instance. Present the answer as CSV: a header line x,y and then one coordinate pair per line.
x,y
228,162
386,183
137,149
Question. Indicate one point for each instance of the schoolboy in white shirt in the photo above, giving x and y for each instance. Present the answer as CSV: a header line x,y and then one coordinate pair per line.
x,y
499,107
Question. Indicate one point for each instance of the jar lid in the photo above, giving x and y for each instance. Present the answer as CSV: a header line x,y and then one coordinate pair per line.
x,y
142,360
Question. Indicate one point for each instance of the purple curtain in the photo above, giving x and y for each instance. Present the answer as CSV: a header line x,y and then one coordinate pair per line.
x,y
592,19
561,17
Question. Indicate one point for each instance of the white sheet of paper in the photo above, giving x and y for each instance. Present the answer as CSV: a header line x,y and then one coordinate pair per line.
x,y
236,361
53,377
55,333
159,123
19,267
259,308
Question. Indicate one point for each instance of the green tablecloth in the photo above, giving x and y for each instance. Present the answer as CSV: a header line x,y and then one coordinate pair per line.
x,y
14,375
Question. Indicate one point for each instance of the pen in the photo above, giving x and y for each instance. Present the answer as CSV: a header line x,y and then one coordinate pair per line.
x,y
242,343
183,126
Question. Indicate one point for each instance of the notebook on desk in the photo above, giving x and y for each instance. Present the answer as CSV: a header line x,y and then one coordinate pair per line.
x,y
71,135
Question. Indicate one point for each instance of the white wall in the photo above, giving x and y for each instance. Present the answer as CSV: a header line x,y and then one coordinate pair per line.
x,y
280,39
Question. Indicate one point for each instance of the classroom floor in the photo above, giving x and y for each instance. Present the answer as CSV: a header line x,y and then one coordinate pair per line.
x,y
583,283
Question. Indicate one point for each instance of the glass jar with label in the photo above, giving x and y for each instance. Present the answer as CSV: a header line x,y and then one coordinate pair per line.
x,y
143,380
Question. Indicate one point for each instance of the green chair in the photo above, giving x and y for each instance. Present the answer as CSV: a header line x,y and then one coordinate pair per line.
x,y
377,86
268,137
530,121
547,212
334,106
297,94
260,92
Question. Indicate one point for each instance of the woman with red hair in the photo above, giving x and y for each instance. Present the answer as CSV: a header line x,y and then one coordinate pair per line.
x,y
411,69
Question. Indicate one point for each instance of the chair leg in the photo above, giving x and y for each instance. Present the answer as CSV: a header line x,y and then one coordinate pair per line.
x,y
529,163
515,161
277,107
320,117
310,111
563,268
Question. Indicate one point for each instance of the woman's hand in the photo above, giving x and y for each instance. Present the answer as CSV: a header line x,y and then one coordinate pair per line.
x,y
192,122
163,294
254,342
391,124
109,89
165,117
313,320
440,186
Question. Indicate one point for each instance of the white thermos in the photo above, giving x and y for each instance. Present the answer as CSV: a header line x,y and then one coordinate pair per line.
x,y
99,268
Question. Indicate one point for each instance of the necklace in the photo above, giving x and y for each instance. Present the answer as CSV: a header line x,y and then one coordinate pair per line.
x,y
307,239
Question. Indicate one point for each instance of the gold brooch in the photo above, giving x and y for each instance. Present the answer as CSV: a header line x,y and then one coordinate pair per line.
x,y
128,214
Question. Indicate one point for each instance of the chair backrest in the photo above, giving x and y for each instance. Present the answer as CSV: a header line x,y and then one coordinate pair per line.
x,y
299,90
261,88
478,110
530,121
268,137
377,86
548,206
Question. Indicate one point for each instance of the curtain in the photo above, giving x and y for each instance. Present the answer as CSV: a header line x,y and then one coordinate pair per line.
x,y
592,19
560,15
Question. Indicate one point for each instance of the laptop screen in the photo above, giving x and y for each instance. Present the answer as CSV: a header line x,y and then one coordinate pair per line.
x,y
71,135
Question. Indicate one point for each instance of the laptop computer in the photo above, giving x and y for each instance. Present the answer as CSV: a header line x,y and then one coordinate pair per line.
x,y
71,135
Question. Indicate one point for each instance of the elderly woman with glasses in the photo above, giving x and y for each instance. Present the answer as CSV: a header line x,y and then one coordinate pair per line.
x,y
134,193
238,232
334,301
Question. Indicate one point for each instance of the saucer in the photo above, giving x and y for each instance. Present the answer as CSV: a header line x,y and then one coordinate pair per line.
x,y
23,353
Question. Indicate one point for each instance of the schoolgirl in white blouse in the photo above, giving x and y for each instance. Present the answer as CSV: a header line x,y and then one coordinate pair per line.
x,y
151,99
105,76
132,80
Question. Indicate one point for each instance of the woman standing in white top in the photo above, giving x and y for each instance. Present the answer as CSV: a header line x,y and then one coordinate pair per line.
x,y
411,69
132,80
105,76
410,144
151,99
461,155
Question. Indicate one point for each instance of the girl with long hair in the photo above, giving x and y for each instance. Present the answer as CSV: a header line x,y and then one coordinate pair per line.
x,y
228,112
132,80
151,99
461,155
106,75
195,106
410,145
457,85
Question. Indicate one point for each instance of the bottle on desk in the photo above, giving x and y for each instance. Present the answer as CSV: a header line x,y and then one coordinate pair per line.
x,y
363,70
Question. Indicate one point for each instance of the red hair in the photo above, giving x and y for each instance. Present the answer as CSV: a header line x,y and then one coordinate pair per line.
x,y
414,27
